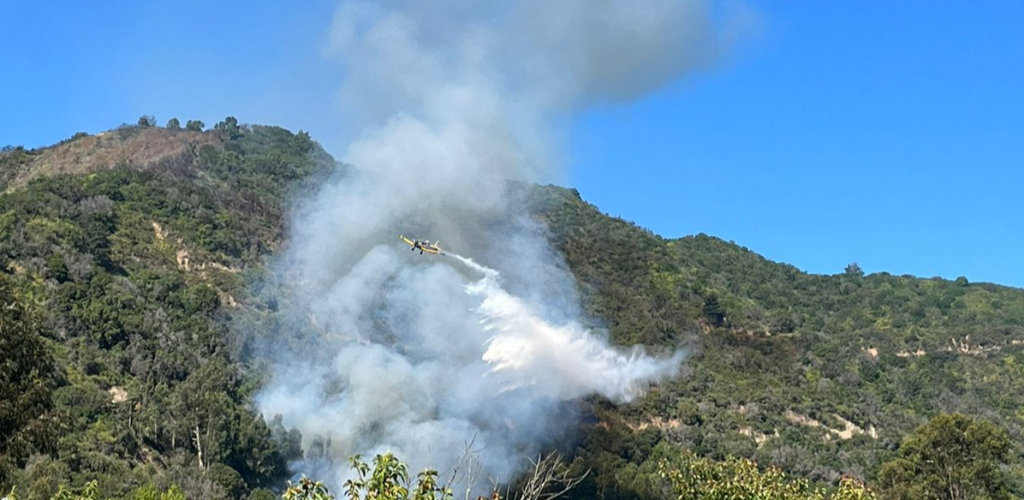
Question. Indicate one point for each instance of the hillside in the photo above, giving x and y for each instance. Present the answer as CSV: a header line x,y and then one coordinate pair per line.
x,y
132,260
126,276
821,375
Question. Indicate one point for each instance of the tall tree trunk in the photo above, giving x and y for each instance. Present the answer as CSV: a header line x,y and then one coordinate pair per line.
x,y
199,448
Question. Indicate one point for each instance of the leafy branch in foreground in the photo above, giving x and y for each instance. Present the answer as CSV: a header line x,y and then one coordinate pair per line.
x,y
693,478
389,480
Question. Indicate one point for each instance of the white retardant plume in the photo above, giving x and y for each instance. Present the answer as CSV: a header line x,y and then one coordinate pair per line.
x,y
526,351
420,354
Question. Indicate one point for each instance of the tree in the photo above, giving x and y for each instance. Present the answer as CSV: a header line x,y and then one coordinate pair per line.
x,y
952,457
195,125
853,270
713,310
173,124
147,121
228,128
227,478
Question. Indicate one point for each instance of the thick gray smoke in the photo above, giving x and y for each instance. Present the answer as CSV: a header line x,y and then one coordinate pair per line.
x,y
421,354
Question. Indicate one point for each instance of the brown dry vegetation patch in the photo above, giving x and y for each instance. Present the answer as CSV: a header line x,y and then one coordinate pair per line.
x,y
142,148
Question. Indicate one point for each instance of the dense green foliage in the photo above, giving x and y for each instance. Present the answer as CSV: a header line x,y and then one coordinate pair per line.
x,y
27,380
820,375
952,457
91,491
132,275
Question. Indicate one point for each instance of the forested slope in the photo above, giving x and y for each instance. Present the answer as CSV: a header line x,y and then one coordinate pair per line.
x,y
123,277
130,260
821,375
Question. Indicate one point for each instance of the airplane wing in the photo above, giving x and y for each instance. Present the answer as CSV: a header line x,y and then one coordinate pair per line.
x,y
424,247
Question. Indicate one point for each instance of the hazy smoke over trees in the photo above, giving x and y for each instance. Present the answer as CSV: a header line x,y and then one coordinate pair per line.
x,y
419,354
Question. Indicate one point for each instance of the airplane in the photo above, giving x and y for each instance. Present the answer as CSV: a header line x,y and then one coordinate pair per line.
x,y
423,246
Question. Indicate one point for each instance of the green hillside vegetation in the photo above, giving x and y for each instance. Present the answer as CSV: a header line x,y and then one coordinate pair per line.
x,y
132,260
820,375
123,279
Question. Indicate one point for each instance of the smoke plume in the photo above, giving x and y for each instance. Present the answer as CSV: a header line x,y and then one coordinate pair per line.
x,y
420,354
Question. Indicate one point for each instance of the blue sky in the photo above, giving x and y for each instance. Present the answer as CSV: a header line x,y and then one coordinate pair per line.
x,y
886,133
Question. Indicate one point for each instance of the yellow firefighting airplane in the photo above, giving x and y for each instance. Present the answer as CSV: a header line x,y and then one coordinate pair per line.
x,y
424,246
